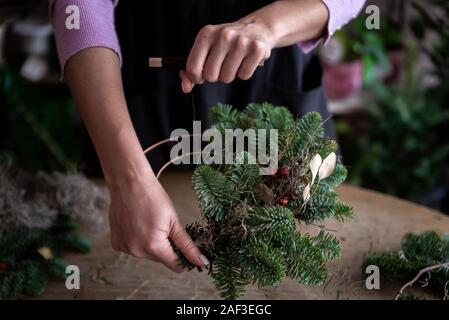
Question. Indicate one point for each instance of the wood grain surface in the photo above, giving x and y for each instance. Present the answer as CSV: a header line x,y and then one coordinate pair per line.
x,y
380,223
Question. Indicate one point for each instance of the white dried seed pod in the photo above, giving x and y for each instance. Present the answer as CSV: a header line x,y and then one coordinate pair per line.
x,y
315,166
328,166
306,193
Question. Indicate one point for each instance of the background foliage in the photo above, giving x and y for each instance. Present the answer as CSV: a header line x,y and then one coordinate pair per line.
x,y
399,145
418,252
40,126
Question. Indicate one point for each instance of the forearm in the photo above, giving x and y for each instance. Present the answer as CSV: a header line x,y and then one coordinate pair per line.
x,y
291,21
95,80
143,220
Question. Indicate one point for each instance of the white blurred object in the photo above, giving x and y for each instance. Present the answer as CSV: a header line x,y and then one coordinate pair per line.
x,y
351,104
34,69
333,52
36,35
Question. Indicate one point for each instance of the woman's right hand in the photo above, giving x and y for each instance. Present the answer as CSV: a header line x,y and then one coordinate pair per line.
x,y
144,223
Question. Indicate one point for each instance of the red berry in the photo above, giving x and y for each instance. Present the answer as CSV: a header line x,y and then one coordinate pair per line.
x,y
283,202
293,195
3,266
283,172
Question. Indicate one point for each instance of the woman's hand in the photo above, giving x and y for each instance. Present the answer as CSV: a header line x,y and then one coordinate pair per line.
x,y
144,223
222,53
234,50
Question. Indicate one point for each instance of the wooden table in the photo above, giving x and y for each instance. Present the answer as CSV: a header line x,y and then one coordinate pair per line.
x,y
381,222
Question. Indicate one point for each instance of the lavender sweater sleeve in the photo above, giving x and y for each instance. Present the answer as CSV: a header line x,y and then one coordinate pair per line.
x,y
340,13
97,25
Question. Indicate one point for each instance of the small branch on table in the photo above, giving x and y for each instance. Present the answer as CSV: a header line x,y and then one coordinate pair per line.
x,y
437,267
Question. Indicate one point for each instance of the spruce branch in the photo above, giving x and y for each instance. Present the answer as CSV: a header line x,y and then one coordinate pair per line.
x,y
248,225
27,271
427,253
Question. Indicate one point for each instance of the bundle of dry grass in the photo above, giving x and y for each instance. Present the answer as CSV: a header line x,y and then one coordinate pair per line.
x,y
34,200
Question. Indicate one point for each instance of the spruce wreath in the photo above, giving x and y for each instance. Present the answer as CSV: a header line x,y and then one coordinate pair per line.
x,y
249,226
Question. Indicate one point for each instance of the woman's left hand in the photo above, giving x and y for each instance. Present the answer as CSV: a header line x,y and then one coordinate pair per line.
x,y
222,53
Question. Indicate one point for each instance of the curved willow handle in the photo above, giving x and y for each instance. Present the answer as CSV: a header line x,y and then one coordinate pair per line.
x,y
157,144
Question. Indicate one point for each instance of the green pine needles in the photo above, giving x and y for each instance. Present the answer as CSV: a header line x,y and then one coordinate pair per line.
x,y
418,252
249,224
29,258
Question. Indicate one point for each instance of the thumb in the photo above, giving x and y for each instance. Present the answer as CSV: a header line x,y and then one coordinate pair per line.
x,y
186,85
185,244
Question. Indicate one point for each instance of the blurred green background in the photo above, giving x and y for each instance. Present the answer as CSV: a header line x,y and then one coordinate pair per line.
x,y
388,92
394,135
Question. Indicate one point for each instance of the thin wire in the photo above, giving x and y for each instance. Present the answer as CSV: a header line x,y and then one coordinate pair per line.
x,y
154,146
193,104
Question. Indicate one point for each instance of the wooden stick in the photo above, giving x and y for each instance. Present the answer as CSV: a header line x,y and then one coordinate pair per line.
x,y
420,273
165,166
157,144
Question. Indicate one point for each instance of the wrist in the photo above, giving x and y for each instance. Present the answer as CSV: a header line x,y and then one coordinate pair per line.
x,y
126,167
125,179
266,31
270,29
122,158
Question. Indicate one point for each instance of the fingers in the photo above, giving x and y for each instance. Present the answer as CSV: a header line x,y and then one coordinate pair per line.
x,y
222,53
159,252
199,53
233,61
149,229
218,52
166,255
251,61
186,85
162,250
185,244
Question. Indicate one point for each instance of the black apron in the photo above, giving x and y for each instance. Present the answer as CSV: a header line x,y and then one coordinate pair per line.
x,y
165,28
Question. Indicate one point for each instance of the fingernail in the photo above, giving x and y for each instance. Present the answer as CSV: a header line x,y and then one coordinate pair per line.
x,y
204,260
180,270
